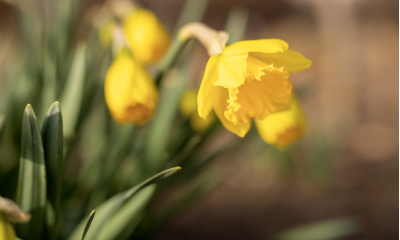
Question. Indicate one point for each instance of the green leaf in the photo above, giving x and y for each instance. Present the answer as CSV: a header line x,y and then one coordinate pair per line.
x,y
236,24
31,193
2,122
127,214
52,136
324,230
88,223
71,98
109,208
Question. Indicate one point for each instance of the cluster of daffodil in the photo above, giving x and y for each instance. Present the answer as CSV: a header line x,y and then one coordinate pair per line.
x,y
245,80
115,168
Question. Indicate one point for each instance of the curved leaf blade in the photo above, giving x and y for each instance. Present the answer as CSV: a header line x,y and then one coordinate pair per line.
x,y
88,223
107,209
71,98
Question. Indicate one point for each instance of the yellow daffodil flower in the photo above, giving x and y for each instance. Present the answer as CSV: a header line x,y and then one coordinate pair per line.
x,y
146,36
188,108
9,211
248,79
130,92
281,129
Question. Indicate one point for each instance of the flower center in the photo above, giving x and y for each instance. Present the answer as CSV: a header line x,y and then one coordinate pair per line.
x,y
259,96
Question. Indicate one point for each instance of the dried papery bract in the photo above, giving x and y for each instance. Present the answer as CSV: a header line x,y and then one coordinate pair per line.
x,y
214,41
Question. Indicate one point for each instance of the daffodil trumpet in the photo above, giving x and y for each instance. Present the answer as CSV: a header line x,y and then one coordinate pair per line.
x,y
245,80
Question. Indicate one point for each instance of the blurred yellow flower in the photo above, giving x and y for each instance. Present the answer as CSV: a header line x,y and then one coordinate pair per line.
x,y
146,36
281,129
6,229
249,79
130,92
106,32
188,107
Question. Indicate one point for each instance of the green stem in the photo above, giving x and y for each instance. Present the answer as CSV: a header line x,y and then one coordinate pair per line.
x,y
170,58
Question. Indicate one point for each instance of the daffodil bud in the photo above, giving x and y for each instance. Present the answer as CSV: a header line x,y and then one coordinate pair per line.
x,y
130,92
146,36
188,108
106,31
245,80
281,129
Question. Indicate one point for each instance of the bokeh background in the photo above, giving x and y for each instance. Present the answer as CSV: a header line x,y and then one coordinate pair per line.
x,y
345,167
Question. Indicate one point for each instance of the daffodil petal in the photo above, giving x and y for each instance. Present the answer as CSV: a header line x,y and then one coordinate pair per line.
x,y
290,60
220,96
261,45
204,101
232,71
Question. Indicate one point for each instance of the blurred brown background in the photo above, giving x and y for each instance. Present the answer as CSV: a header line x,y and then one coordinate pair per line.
x,y
350,96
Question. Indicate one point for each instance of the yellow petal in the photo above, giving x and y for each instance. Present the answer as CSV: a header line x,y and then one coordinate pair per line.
x,y
281,129
261,45
232,71
219,97
291,61
210,77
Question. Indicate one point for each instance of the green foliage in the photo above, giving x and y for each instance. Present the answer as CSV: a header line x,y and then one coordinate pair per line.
x,y
324,230
81,159
52,136
109,210
31,193
88,223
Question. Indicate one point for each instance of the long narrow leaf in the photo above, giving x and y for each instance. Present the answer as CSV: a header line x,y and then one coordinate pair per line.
x,y
127,214
109,208
2,122
31,193
52,136
88,223
72,96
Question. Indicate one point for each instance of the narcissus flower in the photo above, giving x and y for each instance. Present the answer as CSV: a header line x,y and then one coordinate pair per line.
x,y
130,92
281,129
248,79
188,108
146,36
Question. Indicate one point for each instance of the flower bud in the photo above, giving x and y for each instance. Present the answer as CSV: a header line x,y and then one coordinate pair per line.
x,y
281,129
146,36
188,108
130,92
